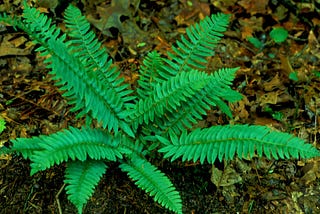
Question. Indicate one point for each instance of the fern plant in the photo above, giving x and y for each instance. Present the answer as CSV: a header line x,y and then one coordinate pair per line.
x,y
172,95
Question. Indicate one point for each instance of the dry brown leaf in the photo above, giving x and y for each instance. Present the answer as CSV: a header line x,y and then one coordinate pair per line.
x,y
275,83
226,177
313,45
264,121
239,109
269,98
254,6
285,65
280,13
7,49
249,26
223,5
11,46
311,172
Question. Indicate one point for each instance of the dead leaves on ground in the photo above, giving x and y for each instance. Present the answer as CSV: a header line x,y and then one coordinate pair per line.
x,y
12,45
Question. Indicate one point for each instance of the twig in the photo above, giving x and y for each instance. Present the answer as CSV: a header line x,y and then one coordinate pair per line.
x,y
57,198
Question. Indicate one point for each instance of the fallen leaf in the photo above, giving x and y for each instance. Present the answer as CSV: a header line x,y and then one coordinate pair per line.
x,y
254,6
275,83
249,26
226,177
110,17
8,48
311,172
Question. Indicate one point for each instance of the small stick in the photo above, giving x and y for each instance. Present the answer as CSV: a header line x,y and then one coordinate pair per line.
x,y
57,198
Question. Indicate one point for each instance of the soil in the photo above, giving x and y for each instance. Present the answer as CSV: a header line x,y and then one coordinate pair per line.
x,y
280,83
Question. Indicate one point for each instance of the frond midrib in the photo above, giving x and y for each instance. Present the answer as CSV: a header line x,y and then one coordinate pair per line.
x,y
245,140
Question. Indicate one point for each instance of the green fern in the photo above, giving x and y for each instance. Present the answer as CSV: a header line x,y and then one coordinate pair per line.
x,y
223,142
149,74
173,94
167,97
194,108
81,178
103,96
199,43
73,144
154,182
86,47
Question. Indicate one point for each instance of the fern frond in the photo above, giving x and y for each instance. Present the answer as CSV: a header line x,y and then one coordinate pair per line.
x,y
167,97
81,178
86,46
198,43
213,94
245,141
149,74
84,89
74,144
154,182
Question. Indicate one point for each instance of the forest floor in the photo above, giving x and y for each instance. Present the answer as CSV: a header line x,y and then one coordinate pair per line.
x,y
280,83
